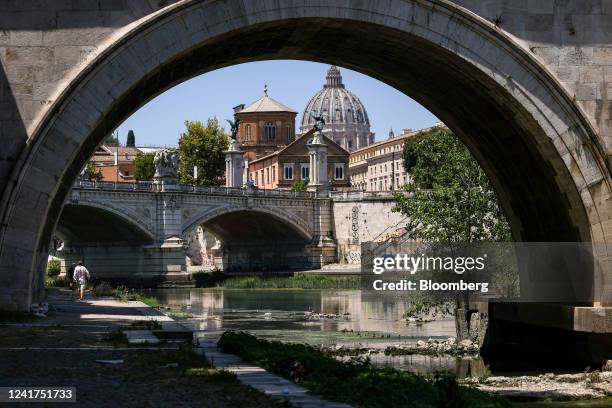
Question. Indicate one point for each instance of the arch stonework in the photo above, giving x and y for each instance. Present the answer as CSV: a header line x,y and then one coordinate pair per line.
x,y
547,158
127,213
300,225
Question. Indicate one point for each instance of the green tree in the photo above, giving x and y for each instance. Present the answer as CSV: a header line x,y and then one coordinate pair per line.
x,y
131,139
111,140
450,198
299,185
144,168
202,146
93,172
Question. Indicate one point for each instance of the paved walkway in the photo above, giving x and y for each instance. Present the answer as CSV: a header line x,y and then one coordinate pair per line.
x,y
107,315
268,383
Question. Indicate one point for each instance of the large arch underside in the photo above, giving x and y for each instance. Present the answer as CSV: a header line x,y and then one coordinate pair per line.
x,y
256,241
530,138
84,225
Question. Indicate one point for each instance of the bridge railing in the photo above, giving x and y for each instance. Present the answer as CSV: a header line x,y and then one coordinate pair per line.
x,y
234,191
360,195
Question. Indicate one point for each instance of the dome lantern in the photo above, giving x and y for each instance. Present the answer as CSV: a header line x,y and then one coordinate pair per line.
x,y
333,79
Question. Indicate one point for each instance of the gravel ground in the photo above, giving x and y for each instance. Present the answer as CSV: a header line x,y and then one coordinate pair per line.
x,y
65,350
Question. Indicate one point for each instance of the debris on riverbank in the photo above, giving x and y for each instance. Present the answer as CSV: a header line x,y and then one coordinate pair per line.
x,y
556,387
432,347
435,347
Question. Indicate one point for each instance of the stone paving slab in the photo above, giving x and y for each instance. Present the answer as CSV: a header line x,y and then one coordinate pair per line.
x,y
140,337
275,386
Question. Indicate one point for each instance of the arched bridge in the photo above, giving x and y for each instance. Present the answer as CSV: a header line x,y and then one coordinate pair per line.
x,y
120,227
525,84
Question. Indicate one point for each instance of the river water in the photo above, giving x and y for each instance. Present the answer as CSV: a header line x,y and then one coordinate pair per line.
x,y
284,314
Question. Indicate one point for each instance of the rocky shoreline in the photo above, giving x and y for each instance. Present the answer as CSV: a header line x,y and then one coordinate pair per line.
x,y
431,347
557,387
554,387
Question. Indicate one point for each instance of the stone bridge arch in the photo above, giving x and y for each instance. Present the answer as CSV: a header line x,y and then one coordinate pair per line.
x,y
541,153
256,238
126,216
298,225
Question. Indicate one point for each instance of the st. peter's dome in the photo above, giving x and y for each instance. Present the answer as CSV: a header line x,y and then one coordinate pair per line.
x,y
346,119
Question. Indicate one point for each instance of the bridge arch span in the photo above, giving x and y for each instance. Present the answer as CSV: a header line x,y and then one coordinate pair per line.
x,y
541,153
296,225
131,226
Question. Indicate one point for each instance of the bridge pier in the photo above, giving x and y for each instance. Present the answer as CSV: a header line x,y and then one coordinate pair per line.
x,y
558,336
147,263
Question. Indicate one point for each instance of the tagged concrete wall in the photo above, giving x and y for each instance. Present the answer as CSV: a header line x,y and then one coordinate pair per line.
x,y
359,220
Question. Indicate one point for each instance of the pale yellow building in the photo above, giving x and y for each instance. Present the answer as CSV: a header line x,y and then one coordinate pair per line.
x,y
379,166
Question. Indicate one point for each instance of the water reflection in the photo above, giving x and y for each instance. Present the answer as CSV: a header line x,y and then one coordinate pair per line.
x,y
216,309
283,314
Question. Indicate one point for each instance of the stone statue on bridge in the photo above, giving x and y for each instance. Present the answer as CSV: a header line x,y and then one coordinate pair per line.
x,y
319,119
233,128
166,163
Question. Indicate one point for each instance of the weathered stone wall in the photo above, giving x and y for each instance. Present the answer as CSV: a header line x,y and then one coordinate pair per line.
x,y
148,263
361,220
72,70
572,39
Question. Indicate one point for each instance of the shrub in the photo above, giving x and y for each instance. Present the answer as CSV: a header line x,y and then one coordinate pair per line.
x,y
56,281
356,383
54,267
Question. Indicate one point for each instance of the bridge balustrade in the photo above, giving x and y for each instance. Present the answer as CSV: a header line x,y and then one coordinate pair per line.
x,y
235,191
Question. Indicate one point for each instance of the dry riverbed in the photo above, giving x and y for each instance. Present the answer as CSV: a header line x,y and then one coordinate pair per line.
x,y
556,387
62,350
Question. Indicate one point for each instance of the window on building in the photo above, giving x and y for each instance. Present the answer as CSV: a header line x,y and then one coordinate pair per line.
x,y
350,144
247,132
289,135
267,175
339,171
273,174
254,178
305,169
288,171
269,131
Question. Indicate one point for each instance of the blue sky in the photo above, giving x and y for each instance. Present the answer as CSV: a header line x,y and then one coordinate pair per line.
x,y
292,83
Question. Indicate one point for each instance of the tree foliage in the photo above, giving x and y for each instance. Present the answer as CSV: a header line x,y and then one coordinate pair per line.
x,y
202,146
131,139
93,172
144,168
111,140
449,198
299,185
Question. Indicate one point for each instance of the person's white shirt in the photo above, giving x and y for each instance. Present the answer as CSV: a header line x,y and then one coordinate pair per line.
x,y
81,274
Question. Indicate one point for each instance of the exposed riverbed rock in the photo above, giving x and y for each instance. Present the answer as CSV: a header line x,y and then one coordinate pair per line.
x,y
557,387
435,347
321,316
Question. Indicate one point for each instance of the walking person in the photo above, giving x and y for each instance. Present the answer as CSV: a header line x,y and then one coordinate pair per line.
x,y
70,275
81,276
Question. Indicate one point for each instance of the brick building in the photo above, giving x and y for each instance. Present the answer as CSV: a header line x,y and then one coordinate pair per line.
x,y
115,163
265,126
288,164
380,166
